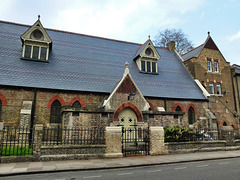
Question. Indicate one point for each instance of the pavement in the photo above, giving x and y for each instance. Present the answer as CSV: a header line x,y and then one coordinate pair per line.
x,y
8,169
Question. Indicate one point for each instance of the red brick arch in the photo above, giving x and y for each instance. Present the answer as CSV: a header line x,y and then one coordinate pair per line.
x,y
57,97
83,104
234,125
128,105
151,105
176,105
3,99
194,108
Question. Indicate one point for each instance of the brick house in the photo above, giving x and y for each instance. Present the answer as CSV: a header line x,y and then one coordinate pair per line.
x,y
53,77
207,64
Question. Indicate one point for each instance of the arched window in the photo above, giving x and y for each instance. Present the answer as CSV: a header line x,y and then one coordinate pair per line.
x,y
224,124
178,109
191,115
76,105
0,110
55,116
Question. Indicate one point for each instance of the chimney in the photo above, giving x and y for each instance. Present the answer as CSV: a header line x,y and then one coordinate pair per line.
x,y
171,46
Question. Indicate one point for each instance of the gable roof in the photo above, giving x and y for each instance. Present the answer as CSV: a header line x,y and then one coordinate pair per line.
x,y
85,63
209,43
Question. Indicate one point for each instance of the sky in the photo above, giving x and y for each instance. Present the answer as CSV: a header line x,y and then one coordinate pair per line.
x,y
135,20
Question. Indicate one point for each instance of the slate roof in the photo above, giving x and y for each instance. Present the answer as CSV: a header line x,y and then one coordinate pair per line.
x,y
236,68
85,63
193,53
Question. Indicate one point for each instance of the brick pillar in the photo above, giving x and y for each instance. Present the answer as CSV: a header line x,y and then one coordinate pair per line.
x,y
38,133
157,141
113,136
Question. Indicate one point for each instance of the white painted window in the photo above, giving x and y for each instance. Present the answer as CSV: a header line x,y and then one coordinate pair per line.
x,y
218,87
215,66
211,88
35,52
209,66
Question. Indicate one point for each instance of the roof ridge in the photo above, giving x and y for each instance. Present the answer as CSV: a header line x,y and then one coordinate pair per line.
x,y
99,37
19,24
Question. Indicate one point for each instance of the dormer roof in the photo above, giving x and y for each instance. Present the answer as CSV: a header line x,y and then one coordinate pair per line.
x,y
141,50
37,33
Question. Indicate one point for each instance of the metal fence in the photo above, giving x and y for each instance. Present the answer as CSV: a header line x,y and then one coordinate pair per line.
x,y
17,141
185,135
135,141
73,136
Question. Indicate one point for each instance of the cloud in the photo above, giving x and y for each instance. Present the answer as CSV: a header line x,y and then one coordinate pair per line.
x,y
124,19
234,36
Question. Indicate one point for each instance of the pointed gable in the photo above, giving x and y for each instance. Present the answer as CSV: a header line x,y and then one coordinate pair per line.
x,y
121,94
127,86
36,43
146,58
210,44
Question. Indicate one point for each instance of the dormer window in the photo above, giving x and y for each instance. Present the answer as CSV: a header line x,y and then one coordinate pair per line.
x,y
35,52
36,43
146,58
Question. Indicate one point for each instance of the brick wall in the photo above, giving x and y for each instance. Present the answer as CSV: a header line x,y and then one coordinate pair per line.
x,y
222,106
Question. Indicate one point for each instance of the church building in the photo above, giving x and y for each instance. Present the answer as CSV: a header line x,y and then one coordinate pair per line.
x,y
66,79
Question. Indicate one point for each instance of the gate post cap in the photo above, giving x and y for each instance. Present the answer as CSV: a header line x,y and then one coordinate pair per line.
x,y
39,127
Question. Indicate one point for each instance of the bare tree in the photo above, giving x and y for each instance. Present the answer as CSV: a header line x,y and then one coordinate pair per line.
x,y
182,43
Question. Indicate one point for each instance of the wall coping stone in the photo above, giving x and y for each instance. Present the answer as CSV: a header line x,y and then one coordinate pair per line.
x,y
72,146
114,129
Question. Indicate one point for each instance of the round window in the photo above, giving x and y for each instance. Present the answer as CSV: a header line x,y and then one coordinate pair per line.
x,y
37,34
148,51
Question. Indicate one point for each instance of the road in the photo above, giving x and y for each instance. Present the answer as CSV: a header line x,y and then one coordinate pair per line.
x,y
228,169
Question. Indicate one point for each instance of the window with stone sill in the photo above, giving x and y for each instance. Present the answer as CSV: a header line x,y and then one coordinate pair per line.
x,y
218,87
211,88
209,66
216,67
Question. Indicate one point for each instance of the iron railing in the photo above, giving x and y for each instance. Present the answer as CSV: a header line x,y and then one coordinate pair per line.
x,y
135,140
73,136
17,141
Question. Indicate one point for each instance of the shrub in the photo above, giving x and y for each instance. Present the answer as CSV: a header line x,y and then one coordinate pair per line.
x,y
178,133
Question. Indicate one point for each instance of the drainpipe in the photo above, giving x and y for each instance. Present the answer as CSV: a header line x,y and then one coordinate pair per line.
x,y
238,92
234,94
32,116
165,104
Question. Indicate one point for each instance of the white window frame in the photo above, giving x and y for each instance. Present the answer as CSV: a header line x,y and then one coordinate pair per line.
x,y
216,69
211,88
218,87
39,52
209,65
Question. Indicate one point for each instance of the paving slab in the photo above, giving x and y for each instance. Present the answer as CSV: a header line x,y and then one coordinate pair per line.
x,y
7,169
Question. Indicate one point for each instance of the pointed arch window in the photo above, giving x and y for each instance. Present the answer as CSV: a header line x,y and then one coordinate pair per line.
x,y
178,109
55,116
0,110
191,115
76,105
